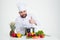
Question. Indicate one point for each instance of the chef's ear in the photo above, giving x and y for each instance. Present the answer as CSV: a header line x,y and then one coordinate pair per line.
x,y
31,17
19,12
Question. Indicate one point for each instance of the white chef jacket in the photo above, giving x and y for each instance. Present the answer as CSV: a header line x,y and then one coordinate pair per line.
x,y
21,23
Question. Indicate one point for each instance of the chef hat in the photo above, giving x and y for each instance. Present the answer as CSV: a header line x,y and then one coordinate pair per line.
x,y
21,6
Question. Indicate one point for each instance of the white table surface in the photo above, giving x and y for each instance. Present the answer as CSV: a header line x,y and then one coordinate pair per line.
x,y
24,38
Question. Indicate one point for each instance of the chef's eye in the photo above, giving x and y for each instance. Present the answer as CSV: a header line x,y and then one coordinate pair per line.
x,y
21,12
24,11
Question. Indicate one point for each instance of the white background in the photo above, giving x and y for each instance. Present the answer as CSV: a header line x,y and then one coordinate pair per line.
x,y
46,11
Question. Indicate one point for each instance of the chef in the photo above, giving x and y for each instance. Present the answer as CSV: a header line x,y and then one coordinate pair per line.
x,y
24,20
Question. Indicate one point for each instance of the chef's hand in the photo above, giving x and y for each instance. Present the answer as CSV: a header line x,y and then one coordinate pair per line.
x,y
32,21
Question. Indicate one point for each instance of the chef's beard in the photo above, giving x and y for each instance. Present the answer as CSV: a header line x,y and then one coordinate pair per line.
x,y
23,16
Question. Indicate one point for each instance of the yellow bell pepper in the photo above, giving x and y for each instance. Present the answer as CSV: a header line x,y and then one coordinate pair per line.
x,y
19,35
32,33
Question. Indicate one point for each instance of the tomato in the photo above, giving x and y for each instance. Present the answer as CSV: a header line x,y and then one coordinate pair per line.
x,y
42,36
29,34
13,34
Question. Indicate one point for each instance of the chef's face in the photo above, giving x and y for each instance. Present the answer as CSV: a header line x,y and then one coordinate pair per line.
x,y
23,14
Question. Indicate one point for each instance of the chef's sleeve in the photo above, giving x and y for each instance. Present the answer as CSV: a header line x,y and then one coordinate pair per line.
x,y
37,20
